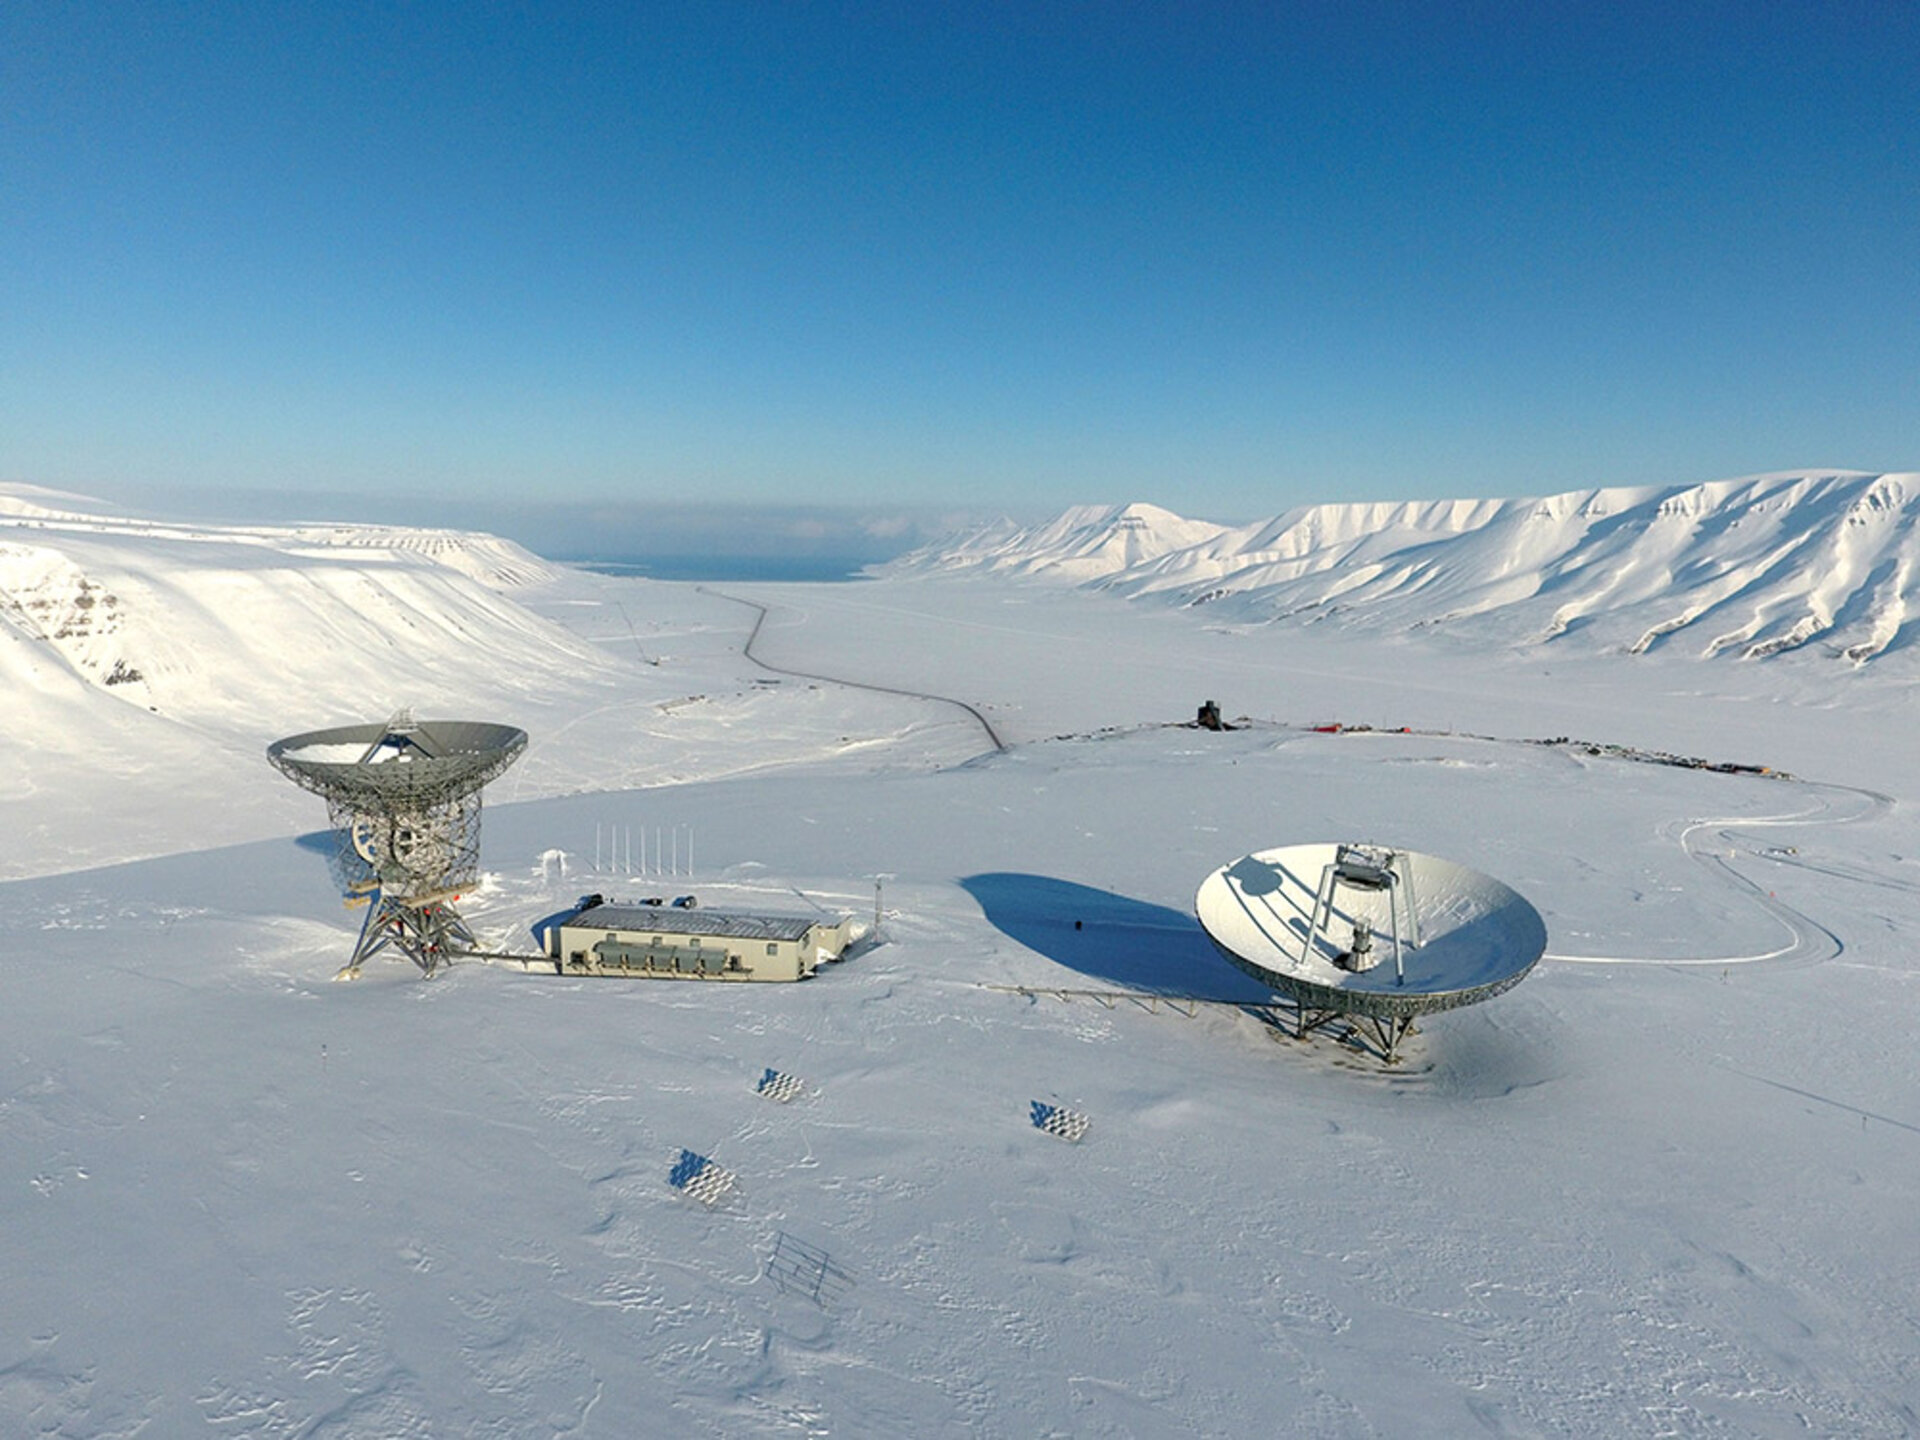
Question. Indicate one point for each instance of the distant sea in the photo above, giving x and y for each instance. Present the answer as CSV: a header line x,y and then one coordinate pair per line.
x,y
727,567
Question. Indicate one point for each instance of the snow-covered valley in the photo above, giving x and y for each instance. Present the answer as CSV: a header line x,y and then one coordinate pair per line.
x,y
1663,1187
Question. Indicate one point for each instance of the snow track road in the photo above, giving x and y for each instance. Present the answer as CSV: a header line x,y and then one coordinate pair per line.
x,y
753,638
1713,844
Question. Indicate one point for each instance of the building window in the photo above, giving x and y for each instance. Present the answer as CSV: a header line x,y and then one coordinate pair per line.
x,y
772,948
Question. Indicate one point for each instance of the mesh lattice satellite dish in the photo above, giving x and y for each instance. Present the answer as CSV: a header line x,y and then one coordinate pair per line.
x,y
404,799
1369,933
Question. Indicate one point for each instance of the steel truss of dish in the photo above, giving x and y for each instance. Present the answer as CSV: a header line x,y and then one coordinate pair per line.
x,y
1308,1007
403,799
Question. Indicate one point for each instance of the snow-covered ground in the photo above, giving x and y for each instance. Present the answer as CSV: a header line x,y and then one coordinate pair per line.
x,y
1663,1187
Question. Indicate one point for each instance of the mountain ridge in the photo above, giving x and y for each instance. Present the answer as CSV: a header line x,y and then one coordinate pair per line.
x,y
1819,561
214,626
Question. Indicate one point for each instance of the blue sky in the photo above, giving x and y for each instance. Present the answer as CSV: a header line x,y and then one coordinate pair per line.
x,y
1227,258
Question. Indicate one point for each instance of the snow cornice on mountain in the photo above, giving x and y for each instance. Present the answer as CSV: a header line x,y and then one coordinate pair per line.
x,y
1822,562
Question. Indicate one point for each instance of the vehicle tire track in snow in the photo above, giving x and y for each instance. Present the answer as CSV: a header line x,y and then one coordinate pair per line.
x,y
1809,941
1814,1095
760,620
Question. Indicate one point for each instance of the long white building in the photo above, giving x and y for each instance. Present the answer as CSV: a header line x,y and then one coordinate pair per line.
x,y
669,942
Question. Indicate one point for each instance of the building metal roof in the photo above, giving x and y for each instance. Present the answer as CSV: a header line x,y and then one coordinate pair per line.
x,y
672,920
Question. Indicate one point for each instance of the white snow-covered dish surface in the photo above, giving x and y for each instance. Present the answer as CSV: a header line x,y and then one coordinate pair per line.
x,y
354,753
1473,932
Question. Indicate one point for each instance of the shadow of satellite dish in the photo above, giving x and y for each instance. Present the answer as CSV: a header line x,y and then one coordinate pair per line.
x,y
1254,876
1111,939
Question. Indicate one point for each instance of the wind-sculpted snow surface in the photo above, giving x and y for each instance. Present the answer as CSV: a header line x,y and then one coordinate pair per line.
x,y
1620,1200
1823,563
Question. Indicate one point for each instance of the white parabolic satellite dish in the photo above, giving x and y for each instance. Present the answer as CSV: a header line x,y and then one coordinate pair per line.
x,y
1368,930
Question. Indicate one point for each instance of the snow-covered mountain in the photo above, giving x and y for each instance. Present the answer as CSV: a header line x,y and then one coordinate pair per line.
x,y
218,625
1822,562
1087,542
159,658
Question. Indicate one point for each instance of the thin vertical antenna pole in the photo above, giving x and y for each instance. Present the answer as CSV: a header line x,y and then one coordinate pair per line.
x,y
643,849
596,847
1393,915
676,850
657,852
1413,907
1322,897
689,852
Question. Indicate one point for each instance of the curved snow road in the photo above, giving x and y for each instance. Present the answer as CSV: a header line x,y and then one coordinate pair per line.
x,y
1711,844
760,620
